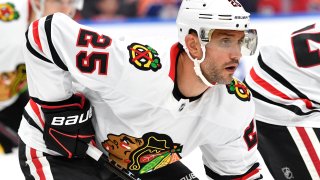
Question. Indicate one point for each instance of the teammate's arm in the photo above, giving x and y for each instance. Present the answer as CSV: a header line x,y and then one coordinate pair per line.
x,y
58,50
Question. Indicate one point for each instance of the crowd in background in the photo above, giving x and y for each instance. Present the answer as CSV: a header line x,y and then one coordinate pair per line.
x,y
123,9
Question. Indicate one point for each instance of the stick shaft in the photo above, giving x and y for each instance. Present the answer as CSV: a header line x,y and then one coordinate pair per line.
x,y
9,133
102,159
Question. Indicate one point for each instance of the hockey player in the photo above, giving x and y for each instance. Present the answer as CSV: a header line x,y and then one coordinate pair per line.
x,y
143,103
285,86
15,16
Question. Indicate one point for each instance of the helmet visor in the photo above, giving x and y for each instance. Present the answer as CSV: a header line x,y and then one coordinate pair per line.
x,y
248,44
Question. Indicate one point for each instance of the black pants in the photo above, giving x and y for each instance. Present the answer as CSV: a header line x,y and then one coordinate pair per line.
x,y
287,151
10,118
35,164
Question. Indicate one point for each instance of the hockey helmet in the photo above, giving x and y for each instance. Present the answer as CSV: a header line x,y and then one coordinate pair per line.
x,y
77,4
204,16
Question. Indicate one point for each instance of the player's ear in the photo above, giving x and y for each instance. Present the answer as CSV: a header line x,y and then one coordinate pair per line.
x,y
193,45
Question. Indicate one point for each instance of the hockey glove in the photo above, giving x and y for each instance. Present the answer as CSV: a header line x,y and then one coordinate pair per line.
x,y
68,128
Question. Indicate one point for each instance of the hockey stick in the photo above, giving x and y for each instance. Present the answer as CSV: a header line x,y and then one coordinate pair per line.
x,y
102,159
9,133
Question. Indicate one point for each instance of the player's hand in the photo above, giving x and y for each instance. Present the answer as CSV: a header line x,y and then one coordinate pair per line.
x,y
68,128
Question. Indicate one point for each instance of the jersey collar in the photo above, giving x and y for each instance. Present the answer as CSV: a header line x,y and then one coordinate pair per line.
x,y
175,52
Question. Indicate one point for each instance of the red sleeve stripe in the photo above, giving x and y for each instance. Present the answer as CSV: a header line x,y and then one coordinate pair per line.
x,y
310,148
267,86
37,164
36,110
35,32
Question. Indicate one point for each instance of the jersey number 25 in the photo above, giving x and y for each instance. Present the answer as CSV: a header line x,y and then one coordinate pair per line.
x,y
87,63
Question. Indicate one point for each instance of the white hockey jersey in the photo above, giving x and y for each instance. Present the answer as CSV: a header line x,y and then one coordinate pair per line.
x,y
14,16
285,80
130,84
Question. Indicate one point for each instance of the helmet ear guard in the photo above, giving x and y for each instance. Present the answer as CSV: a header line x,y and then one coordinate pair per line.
x,y
76,4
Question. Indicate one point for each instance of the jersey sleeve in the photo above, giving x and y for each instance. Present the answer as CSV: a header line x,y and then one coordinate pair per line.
x,y
59,50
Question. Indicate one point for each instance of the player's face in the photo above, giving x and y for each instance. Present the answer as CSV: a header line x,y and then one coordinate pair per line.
x,y
65,6
223,53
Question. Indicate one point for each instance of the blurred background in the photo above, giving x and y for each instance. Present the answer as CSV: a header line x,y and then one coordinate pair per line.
x,y
101,10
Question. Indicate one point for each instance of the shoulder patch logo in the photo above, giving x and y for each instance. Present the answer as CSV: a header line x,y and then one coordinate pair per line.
x,y
239,89
8,12
144,57
144,154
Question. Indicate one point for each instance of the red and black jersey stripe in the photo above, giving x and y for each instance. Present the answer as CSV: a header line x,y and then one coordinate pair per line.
x,y
293,108
33,51
31,121
55,57
250,173
281,79
47,27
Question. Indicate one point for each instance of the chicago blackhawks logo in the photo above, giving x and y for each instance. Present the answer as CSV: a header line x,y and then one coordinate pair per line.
x,y
239,89
142,155
13,83
144,57
8,12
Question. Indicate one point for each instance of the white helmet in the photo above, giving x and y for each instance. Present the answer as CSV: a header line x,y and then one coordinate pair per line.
x,y
204,16
77,4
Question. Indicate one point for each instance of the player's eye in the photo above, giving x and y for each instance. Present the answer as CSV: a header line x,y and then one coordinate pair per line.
x,y
226,42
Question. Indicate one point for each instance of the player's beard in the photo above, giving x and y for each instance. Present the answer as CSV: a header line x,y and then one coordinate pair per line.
x,y
218,74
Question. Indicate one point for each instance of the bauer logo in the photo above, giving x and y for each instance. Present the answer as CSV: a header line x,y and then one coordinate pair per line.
x,y
241,17
72,120
189,177
144,57
8,12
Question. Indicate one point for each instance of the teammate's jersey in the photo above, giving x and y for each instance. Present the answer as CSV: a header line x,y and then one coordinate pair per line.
x,y
285,80
130,84
14,16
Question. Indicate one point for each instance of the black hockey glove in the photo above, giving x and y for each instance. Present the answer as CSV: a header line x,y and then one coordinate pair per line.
x,y
68,128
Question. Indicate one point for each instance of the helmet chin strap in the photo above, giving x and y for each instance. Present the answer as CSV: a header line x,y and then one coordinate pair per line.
x,y
197,68
39,11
